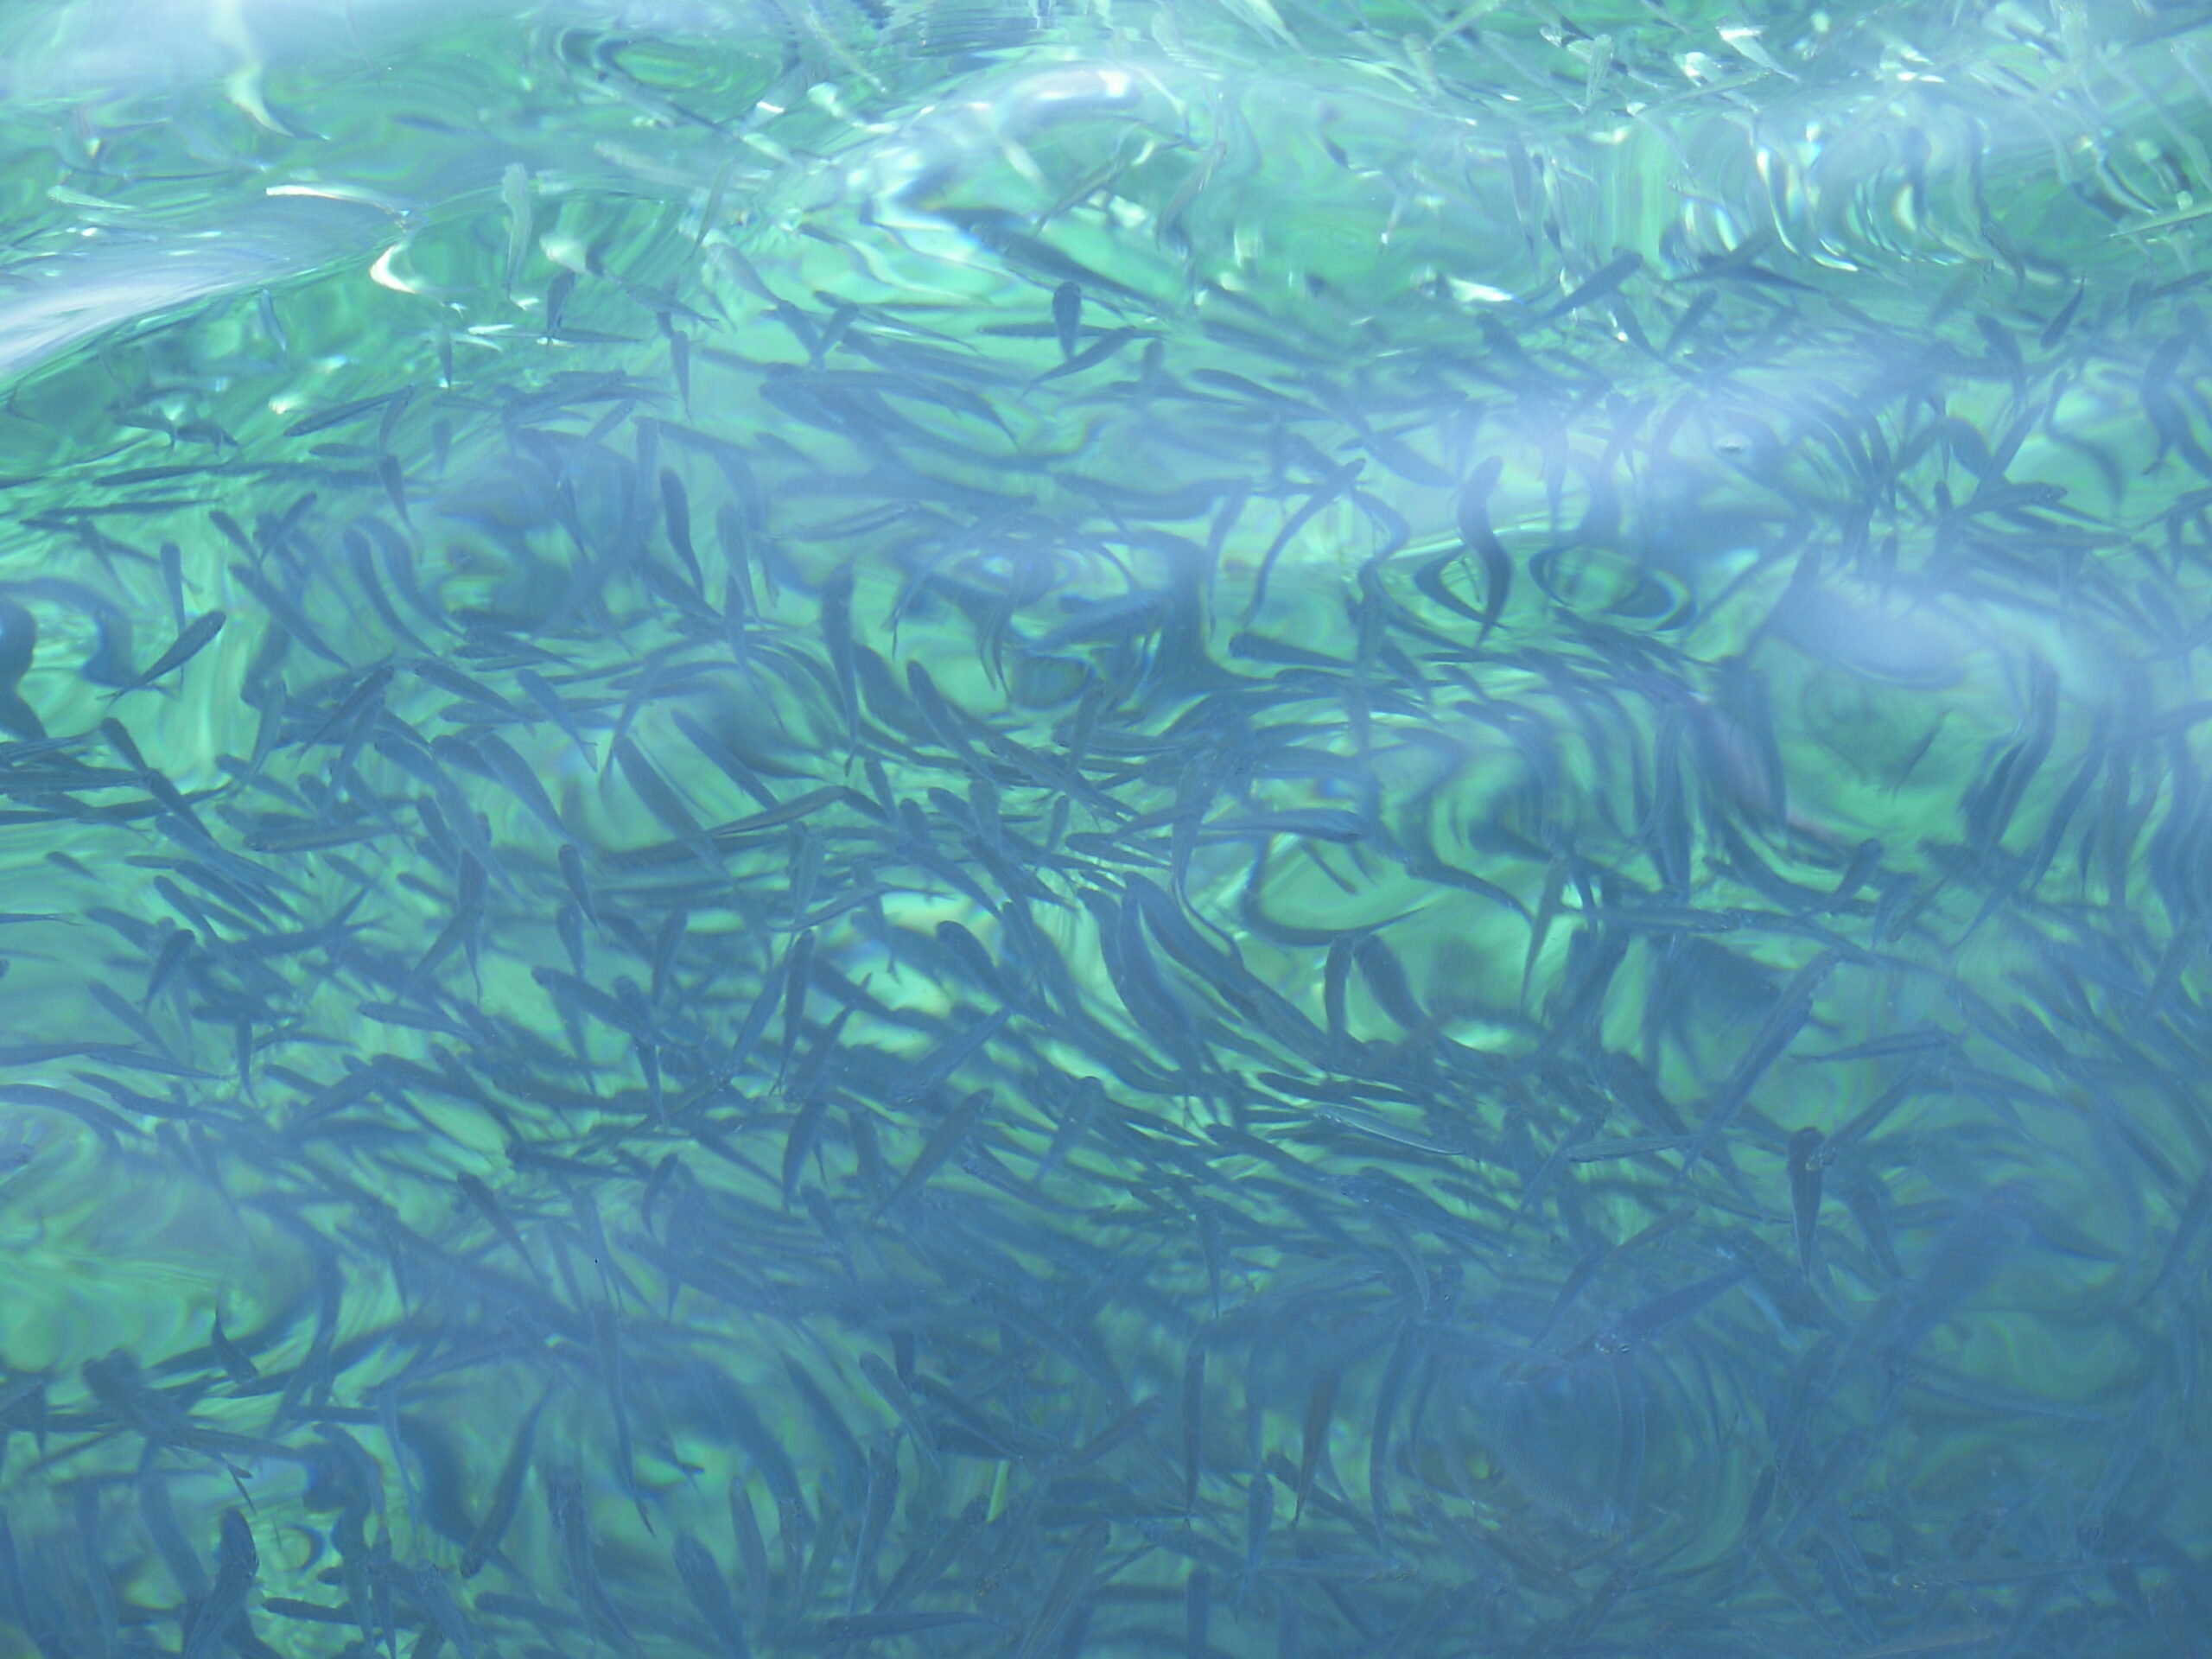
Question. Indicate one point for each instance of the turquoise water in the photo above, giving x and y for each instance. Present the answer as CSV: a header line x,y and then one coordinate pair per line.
x,y
1087,829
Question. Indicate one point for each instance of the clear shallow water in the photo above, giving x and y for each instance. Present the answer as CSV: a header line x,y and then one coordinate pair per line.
x,y
1241,829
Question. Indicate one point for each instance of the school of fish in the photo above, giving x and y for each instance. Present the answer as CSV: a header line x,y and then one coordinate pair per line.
x,y
942,827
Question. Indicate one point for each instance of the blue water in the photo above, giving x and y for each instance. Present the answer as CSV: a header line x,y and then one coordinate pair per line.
x,y
1202,828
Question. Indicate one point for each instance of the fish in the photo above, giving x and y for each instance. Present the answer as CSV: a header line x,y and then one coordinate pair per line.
x,y
18,646
541,692
1101,350
1324,494
875,1517
944,1141
556,302
1791,1010
353,410
1259,1518
886,1382
1476,535
1804,1165
940,1066
753,1550
286,613
1069,1582
993,228
505,1497
236,1363
1606,280
1320,1410
676,516
659,797
2055,330
361,562
238,1566
580,1565
838,636
1067,317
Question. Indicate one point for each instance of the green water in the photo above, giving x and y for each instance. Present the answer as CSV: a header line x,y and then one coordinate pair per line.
x,y
1203,828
